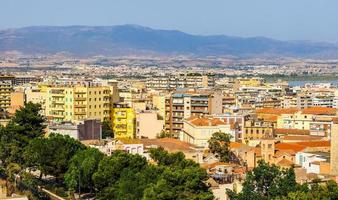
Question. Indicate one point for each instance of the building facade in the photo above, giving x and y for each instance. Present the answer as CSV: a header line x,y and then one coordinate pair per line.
x,y
123,121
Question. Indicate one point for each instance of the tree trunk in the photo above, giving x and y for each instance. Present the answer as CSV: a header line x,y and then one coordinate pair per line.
x,y
10,188
72,195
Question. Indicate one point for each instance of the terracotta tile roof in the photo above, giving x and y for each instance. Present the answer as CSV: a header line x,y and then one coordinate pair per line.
x,y
299,146
239,170
291,131
302,137
169,144
213,165
319,111
335,120
206,122
315,144
285,163
289,146
277,111
258,151
234,145
284,152
271,118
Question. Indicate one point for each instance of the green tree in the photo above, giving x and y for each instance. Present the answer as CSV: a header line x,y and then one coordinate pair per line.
x,y
126,176
115,171
173,160
26,124
266,182
180,179
30,121
107,130
219,145
81,169
51,155
327,191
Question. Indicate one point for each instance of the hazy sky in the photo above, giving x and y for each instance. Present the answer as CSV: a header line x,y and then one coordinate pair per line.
x,y
280,19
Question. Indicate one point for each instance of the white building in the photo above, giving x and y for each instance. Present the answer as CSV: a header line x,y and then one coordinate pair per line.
x,y
310,160
109,146
198,131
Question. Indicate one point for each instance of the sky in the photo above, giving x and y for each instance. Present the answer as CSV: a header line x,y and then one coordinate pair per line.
x,y
280,19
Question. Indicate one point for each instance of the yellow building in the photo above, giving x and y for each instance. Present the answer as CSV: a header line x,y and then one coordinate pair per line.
x,y
159,104
6,88
123,121
248,82
75,103
255,129
17,101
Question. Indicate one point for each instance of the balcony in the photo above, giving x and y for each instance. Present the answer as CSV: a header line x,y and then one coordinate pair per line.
x,y
80,105
57,92
57,102
80,113
58,115
80,98
199,111
80,92
58,108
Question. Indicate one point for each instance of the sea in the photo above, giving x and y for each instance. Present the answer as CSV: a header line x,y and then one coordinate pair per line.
x,y
302,83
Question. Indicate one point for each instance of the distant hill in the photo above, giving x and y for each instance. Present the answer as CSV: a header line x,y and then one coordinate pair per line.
x,y
138,40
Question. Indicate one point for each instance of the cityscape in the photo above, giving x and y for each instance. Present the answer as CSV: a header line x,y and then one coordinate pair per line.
x,y
134,112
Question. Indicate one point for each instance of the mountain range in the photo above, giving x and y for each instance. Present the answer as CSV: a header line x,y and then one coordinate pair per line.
x,y
138,40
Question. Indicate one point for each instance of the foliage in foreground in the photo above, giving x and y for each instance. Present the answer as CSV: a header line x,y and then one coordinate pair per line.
x,y
270,182
219,146
127,176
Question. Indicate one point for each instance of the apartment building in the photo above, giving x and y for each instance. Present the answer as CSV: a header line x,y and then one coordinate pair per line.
x,y
198,130
18,100
182,105
6,88
158,102
73,103
335,101
317,120
255,129
248,82
236,121
172,82
20,80
259,96
123,121
323,101
299,101
148,124
334,147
